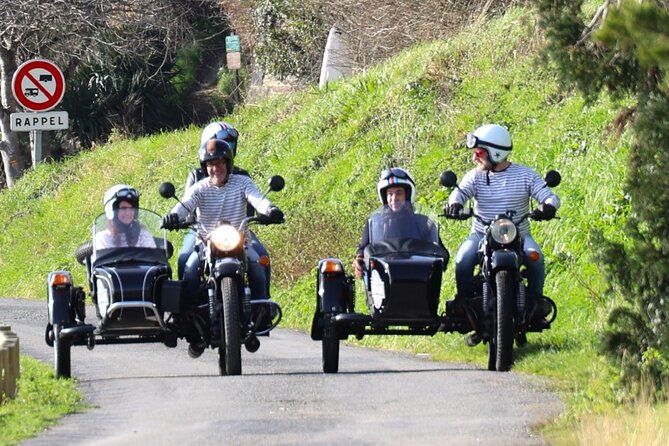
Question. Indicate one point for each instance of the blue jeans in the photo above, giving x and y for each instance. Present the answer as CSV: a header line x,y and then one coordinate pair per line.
x,y
186,250
258,275
467,258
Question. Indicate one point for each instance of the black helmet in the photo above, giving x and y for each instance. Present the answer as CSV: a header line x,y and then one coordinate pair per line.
x,y
215,149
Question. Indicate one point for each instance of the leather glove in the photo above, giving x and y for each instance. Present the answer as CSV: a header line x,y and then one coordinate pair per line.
x,y
544,211
275,214
454,210
170,221
357,266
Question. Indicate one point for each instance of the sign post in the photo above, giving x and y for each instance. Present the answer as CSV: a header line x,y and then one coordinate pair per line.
x,y
38,85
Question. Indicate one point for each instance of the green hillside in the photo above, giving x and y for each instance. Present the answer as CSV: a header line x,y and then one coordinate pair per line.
x,y
330,145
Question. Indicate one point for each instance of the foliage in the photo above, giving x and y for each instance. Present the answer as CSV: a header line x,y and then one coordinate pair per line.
x,y
41,400
290,37
629,56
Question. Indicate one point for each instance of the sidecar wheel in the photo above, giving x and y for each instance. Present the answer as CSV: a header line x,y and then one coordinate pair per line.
x,y
330,347
84,250
503,338
230,351
61,352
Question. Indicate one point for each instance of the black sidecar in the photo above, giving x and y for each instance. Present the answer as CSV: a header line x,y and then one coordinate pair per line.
x,y
131,289
402,273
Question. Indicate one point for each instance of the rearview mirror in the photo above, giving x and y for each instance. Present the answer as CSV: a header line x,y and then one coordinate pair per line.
x,y
448,178
166,190
277,183
553,178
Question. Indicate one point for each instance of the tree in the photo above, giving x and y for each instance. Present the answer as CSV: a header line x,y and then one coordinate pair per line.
x,y
97,35
625,50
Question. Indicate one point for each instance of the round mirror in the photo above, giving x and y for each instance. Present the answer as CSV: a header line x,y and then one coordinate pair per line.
x,y
448,179
276,183
166,190
553,178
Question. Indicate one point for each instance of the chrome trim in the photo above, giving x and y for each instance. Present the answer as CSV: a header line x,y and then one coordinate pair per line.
x,y
120,306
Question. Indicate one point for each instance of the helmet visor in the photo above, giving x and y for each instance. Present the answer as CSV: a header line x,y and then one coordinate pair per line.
x,y
473,141
130,195
227,134
395,172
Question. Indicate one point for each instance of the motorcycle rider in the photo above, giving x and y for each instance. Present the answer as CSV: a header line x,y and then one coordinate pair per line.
x,y
397,192
228,133
498,185
121,204
222,196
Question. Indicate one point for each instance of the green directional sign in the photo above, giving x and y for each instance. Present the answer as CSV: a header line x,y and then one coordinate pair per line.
x,y
232,44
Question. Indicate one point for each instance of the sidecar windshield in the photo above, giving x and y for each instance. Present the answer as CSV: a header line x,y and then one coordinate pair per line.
x,y
134,237
403,231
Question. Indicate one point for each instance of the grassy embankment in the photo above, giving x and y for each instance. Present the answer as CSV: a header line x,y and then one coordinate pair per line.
x,y
413,111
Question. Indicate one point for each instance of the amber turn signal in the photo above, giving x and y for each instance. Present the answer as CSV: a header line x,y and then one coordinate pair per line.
x,y
533,256
59,279
331,266
264,260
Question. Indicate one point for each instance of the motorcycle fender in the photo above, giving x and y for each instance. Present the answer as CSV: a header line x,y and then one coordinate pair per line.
x,y
503,259
59,300
227,267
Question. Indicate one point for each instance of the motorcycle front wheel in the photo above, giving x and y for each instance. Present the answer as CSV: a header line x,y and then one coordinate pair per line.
x,y
230,350
500,349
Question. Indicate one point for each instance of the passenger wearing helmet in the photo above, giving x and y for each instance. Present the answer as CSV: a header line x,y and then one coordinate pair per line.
x,y
121,204
397,192
497,185
222,196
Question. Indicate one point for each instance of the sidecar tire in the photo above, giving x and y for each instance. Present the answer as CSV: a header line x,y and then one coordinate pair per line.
x,y
61,351
83,251
230,351
330,347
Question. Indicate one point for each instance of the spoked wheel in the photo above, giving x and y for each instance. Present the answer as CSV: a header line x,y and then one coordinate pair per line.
x,y
330,347
503,326
61,352
230,350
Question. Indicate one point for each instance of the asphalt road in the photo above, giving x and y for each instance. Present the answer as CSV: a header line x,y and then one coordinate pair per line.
x,y
153,395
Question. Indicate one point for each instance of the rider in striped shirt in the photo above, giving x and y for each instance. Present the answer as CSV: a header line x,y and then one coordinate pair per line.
x,y
498,186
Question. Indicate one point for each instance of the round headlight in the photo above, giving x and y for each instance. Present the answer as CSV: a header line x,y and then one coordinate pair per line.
x,y
225,238
503,231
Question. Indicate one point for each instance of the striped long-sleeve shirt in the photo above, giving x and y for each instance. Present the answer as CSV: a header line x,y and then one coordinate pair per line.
x,y
498,192
228,202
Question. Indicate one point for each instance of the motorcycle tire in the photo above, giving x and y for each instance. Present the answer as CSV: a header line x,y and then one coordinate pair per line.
x,y
61,352
503,338
84,250
330,346
230,350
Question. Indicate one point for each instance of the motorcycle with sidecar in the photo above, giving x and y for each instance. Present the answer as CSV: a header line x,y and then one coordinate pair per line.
x,y
402,272
136,300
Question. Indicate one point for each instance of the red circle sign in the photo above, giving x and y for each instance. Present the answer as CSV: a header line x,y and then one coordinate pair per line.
x,y
38,85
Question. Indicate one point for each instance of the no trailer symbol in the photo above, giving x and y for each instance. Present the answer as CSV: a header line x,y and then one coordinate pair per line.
x,y
38,85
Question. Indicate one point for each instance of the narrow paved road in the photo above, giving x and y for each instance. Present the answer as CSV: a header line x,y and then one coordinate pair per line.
x,y
152,395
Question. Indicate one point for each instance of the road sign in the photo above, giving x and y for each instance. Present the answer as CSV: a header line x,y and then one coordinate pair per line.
x,y
232,44
38,85
233,60
25,122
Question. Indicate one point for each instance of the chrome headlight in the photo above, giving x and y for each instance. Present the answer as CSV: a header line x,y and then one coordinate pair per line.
x,y
503,231
225,238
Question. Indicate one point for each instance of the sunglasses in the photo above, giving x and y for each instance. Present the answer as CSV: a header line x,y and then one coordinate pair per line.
x,y
473,141
394,172
227,133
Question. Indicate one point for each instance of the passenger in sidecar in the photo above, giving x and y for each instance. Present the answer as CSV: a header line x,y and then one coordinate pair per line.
x,y
401,261
129,279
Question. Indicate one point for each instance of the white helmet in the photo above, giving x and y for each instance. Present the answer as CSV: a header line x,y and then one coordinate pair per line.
x,y
395,176
223,131
494,138
120,192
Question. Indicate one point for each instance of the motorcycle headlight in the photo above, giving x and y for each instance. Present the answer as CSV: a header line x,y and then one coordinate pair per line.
x,y
503,231
225,238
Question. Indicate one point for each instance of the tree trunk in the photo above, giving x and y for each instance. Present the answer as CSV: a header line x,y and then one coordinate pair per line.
x,y
13,158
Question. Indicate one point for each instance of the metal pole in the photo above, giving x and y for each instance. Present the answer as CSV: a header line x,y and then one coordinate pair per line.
x,y
36,142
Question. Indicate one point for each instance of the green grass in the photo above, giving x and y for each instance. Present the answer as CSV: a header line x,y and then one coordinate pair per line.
x,y
414,111
40,401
